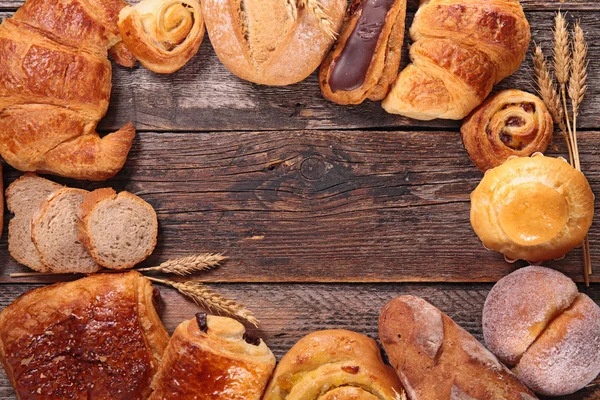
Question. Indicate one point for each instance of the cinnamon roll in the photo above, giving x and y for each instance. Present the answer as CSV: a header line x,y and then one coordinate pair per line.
x,y
509,123
533,208
334,364
162,34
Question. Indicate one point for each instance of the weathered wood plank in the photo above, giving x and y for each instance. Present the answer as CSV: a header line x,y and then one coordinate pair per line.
x,y
204,96
354,206
288,312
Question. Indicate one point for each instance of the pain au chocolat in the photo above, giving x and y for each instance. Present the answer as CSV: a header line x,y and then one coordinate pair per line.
x,y
533,208
210,357
98,337
366,58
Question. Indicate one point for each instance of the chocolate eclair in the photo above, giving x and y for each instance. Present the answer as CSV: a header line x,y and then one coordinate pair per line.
x,y
366,58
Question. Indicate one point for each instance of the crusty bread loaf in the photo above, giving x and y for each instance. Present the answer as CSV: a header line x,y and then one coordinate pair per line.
x,y
55,233
23,198
119,231
438,360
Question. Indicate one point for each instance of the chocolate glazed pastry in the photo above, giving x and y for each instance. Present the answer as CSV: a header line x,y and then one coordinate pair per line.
x,y
366,58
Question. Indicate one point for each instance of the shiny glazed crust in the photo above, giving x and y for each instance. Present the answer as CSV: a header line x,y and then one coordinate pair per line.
x,y
437,359
333,364
216,364
461,49
56,87
384,63
509,123
262,44
163,35
98,337
532,208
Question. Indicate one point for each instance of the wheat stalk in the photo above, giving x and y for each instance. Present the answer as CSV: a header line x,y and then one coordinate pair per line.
x,y
317,9
188,265
205,297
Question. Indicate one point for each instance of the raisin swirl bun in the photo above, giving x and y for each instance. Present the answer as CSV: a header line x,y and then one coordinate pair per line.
x,y
509,123
532,208
334,364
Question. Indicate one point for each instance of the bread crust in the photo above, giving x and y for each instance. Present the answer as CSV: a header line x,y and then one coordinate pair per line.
x,y
383,64
294,49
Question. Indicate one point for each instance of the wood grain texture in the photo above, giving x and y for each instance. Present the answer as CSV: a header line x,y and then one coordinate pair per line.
x,y
289,312
204,96
345,206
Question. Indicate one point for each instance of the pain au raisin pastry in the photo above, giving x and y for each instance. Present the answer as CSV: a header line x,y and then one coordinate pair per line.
x,y
209,357
275,42
438,360
55,87
333,364
98,337
509,123
532,208
461,49
366,58
537,322
163,34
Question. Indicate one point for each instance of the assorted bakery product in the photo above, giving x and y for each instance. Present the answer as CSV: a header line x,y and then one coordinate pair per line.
x,y
210,357
438,360
56,87
537,322
118,230
460,50
509,123
366,58
163,34
96,337
532,208
333,364
277,42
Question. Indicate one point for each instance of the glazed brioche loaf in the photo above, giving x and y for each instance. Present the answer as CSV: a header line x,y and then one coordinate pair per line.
x,y
55,235
535,320
23,198
119,230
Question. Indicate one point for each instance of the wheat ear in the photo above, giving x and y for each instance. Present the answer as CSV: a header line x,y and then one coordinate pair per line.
x,y
292,9
562,65
205,297
318,11
188,265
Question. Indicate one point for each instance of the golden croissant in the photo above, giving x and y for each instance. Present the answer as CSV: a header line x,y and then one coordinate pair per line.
x,y
532,208
163,34
55,88
461,49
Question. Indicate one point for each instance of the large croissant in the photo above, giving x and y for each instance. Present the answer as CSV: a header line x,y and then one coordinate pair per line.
x,y
461,49
55,82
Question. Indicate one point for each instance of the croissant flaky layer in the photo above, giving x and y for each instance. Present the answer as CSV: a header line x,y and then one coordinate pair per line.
x,y
334,364
509,123
98,337
55,87
461,49
213,361
532,208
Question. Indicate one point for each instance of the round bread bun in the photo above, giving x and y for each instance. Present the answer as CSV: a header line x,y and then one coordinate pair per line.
x,y
566,357
520,306
533,208
268,42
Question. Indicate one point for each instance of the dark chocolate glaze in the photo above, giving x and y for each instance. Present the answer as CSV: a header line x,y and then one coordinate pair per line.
x,y
349,69
201,320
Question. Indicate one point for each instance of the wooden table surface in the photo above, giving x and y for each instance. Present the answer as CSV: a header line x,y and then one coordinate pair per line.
x,y
326,212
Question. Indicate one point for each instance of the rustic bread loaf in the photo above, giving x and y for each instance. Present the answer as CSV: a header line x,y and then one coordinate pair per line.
x,y
56,236
23,198
119,231
438,360
272,42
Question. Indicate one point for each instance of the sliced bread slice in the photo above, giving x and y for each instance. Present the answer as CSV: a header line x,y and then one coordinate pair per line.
x,y
119,230
55,233
23,198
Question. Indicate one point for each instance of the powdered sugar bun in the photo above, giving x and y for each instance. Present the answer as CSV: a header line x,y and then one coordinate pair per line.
x,y
520,306
566,357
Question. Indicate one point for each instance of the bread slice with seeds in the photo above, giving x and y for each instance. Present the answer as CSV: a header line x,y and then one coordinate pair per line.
x,y
55,233
119,230
23,198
